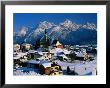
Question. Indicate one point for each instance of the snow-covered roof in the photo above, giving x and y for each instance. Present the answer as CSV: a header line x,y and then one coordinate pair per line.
x,y
17,57
16,46
46,65
26,44
52,51
40,53
41,62
20,54
33,62
37,62
58,43
66,51
59,50
32,51
79,54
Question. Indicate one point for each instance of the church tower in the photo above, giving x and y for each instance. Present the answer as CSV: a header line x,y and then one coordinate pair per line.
x,y
45,41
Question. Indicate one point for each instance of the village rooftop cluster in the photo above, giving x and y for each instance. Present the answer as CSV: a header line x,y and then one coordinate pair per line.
x,y
45,58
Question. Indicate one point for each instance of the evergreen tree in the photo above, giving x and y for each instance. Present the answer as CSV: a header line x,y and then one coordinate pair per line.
x,y
37,45
68,70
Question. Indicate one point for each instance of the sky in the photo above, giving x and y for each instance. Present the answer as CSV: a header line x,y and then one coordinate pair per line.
x,y
32,20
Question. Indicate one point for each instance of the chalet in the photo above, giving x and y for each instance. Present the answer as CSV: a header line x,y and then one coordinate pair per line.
x,y
16,47
26,47
59,45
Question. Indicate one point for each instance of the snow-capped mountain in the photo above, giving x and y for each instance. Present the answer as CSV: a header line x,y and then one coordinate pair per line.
x,y
91,26
22,31
67,32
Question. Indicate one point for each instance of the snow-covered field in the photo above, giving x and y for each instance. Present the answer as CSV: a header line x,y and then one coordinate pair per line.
x,y
80,67
20,72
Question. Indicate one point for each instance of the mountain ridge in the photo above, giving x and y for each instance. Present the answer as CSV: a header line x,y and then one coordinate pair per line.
x,y
68,31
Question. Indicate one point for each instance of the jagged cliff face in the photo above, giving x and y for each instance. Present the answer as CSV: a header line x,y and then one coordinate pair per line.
x,y
67,32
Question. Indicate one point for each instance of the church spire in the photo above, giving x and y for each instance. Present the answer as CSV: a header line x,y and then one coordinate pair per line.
x,y
45,31
45,40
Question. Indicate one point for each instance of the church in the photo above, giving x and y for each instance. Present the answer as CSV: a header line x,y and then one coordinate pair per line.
x,y
45,41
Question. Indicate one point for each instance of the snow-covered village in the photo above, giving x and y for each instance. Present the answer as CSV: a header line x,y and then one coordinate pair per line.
x,y
52,52
55,59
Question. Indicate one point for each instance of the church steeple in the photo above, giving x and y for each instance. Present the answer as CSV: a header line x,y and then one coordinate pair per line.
x,y
45,31
45,40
